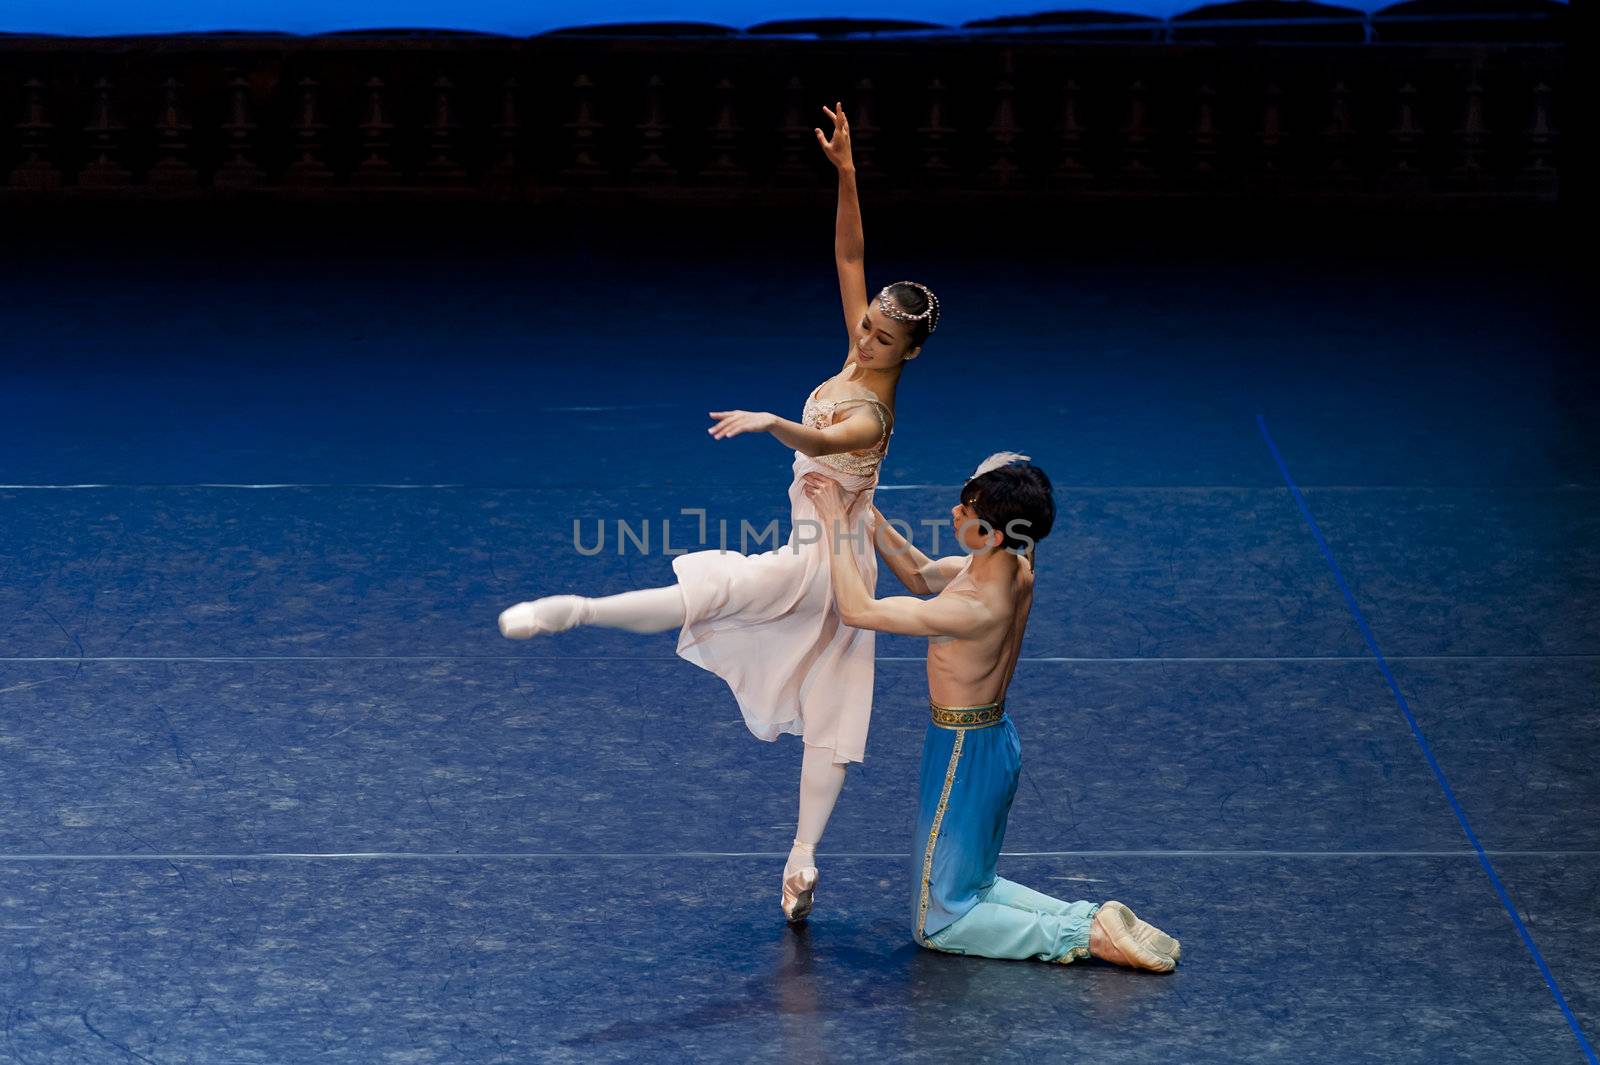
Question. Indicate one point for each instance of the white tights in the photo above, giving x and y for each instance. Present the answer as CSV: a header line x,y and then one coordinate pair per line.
x,y
820,783
647,610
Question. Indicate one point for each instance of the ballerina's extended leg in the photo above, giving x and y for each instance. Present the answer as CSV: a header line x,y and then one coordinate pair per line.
x,y
644,611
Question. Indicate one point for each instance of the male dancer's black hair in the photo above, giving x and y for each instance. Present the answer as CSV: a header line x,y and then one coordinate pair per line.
x,y
1015,500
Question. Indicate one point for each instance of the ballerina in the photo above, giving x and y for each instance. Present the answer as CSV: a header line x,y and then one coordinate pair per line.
x,y
765,623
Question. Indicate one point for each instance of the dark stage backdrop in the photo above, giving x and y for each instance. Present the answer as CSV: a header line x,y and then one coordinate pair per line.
x,y
1422,102
89,17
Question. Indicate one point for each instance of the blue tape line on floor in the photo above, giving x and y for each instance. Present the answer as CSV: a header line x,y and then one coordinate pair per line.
x,y
1416,731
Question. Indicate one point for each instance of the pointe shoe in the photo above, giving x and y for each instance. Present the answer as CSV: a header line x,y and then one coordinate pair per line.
x,y
1133,942
798,888
540,617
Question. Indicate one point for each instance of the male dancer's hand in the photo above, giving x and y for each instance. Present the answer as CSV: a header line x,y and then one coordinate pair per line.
x,y
825,494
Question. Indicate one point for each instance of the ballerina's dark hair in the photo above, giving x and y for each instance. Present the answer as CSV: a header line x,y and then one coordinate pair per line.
x,y
918,307
1018,493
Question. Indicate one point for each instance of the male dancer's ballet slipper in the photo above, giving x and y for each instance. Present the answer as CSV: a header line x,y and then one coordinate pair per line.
x,y
541,617
1154,937
1135,942
798,887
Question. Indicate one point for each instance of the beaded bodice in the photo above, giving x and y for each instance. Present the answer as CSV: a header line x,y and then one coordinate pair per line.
x,y
819,414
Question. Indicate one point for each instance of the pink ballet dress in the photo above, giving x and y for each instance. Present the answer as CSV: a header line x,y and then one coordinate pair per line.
x,y
766,623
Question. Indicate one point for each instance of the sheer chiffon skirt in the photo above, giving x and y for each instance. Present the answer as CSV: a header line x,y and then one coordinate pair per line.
x,y
766,624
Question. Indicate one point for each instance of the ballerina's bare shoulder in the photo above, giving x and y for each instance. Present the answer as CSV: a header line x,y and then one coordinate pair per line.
x,y
840,391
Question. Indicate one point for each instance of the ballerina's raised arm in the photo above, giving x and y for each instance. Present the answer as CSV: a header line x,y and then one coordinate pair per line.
x,y
849,242
860,427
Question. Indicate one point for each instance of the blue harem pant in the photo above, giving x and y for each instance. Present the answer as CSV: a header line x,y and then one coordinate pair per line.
x,y
971,763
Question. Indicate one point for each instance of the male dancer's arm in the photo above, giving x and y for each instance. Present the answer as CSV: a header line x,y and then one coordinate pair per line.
x,y
957,614
919,573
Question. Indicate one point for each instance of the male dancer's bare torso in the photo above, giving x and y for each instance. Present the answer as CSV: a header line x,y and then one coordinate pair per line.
x,y
977,670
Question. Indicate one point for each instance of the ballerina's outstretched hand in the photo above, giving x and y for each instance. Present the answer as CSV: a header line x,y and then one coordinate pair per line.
x,y
734,422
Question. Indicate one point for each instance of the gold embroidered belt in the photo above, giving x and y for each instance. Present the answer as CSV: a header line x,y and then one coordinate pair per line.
x,y
968,717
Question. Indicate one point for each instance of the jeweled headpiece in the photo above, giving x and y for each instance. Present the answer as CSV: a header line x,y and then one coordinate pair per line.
x,y
891,309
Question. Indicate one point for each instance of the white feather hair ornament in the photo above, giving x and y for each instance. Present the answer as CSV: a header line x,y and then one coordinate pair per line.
x,y
995,461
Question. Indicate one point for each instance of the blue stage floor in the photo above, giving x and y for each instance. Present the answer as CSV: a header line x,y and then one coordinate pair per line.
x,y
277,791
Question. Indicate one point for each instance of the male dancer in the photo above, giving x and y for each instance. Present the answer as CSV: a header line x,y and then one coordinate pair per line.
x,y
971,757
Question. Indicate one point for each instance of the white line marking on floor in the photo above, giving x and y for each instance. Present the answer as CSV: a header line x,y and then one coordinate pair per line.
x,y
673,658
677,855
